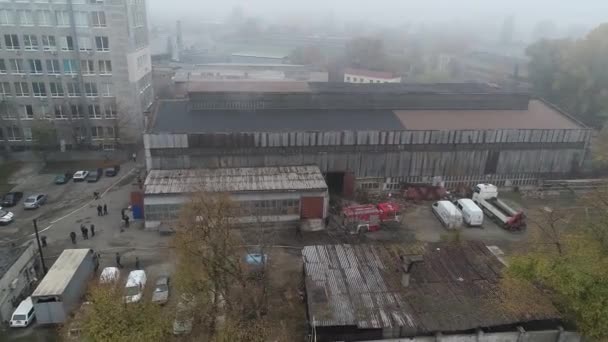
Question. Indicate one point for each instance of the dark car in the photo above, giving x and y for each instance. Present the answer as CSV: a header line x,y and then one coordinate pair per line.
x,y
94,175
11,199
64,178
112,171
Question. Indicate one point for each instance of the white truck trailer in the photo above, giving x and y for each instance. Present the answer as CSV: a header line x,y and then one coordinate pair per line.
x,y
486,197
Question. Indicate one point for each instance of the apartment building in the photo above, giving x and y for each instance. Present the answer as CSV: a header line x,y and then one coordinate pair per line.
x,y
80,68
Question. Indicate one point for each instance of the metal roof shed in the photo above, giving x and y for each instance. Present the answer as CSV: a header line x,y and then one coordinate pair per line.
x,y
62,287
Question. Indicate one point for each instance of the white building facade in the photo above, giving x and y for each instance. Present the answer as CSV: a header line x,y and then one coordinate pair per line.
x,y
83,66
369,76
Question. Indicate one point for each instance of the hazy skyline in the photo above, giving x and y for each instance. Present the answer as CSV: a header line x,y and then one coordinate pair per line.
x,y
391,12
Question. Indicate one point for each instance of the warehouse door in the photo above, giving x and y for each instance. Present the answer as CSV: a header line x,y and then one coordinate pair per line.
x,y
311,207
492,163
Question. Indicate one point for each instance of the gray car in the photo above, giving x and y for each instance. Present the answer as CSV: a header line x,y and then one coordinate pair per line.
x,y
161,291
34,201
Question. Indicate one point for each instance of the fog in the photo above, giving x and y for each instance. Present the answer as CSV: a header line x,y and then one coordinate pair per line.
x,y
394,12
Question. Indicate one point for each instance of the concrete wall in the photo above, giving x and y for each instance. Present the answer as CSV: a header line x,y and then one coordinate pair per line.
x,y
515,336
24,273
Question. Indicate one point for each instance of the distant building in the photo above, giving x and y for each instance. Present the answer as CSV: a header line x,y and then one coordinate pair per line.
x,y
260,57
19,271
369,76
419,292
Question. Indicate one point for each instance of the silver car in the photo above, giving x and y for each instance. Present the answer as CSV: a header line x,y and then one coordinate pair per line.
x,y
34,201
161,291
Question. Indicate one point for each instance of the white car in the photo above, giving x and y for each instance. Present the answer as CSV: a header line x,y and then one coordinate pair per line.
x,y
109,275
79,176
6,217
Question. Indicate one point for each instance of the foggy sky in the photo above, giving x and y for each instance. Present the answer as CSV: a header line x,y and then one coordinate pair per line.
x,y
526,12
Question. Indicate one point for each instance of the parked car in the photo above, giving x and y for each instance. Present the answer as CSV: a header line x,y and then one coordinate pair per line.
x,y
135,286
34,201
11,199
80,176
64,178
94,176
112,171
184,315
161,291
109,275
447,213
24,314
6,217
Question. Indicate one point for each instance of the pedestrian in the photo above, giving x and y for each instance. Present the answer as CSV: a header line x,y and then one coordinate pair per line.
x,y
73,237
82,228
134,157
99,209
122,213
43,240
85,233
96,195
126,221
137,263
105,209
118,264
298,230
92,230
96,257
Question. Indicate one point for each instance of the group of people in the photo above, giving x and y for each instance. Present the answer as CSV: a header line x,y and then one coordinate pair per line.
x,y
119,265
102,211
85,233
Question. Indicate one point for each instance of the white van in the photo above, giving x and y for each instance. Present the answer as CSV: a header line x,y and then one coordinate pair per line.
x,y
448,214
24,314
472,215
135,286
109,275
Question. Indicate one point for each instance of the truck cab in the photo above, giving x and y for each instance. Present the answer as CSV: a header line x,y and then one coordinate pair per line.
x,y
485,191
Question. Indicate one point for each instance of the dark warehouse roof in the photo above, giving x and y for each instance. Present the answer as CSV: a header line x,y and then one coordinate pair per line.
x,y
454,288
175,117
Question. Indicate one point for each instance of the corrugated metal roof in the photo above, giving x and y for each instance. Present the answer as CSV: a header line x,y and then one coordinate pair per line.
x,y
61,272
235,180
454,288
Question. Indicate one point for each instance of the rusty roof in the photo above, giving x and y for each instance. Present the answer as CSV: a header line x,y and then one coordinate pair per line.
x,y
539,115
454,288
250,87
284,178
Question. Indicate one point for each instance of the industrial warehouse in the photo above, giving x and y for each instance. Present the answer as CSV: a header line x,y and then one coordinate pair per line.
x,y
372,137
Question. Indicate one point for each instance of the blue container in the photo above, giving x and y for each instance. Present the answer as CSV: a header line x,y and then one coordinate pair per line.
x,y
138,212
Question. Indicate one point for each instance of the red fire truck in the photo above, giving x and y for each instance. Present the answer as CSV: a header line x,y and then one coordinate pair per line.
x,y
368,217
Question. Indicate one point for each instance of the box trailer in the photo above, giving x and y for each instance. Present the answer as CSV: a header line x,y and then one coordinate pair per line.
x,y
61,290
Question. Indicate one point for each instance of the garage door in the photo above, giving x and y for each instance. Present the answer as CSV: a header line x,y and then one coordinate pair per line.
x,y
311,207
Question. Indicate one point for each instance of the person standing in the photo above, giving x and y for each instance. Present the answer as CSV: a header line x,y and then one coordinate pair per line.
x,y
122,213
137,263
105,209
99,210
118,264
134,157
85,233
92,230
126,221
82,228
43,240
73,237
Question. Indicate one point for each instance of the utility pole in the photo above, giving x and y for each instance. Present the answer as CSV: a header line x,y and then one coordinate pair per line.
x,y
39,247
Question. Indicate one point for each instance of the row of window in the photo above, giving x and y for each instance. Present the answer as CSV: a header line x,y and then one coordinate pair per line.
x,y
59,111
49,18
19,66
362,80
49,43
74,2
16,133
56,89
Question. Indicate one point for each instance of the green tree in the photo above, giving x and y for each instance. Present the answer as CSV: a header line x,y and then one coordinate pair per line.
x,y
570,264
573,74
366,53
108,318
